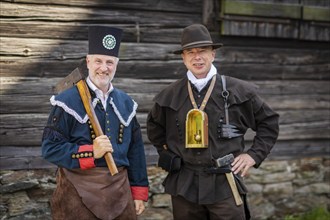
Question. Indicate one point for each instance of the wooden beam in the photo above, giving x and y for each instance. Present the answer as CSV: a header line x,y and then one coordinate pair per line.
x,y
262,9
316,13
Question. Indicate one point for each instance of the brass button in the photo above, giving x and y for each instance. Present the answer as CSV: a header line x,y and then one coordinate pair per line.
x,y
120,140
73,156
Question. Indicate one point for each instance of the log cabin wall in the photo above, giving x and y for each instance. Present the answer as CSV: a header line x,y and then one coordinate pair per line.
x,y
281,45
286,55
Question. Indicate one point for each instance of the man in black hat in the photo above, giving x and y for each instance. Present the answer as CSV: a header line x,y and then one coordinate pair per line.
x,y
85,187
198,124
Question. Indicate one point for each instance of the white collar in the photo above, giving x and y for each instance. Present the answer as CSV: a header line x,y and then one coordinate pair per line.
x,y
201,83
97,90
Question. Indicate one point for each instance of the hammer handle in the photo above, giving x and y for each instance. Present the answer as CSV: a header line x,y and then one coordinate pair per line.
x,y
232,184
87,101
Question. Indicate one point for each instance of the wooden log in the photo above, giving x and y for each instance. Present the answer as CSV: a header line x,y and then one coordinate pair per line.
x,y
40,103
20,49
245,63
187,6
173,69
299,149
98,15
281,95
34,86
26,129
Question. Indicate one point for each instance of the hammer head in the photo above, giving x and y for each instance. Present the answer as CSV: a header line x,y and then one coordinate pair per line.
x,y
225,160
70,80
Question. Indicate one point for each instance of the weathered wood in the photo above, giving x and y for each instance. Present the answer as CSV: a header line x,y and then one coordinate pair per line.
x,y
262,9
19,49
316,13
35,85
43,41
280,63
273,19
87,14
26,101
300,148
240,27
191,6
290,9
26,129
40,103
32,92
151,33
173,69
38,121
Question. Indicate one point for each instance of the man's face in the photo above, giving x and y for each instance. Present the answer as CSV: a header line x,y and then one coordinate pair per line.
x,y
102,69
198,60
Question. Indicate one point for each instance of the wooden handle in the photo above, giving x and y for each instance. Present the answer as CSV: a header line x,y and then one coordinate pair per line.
x,y
87,101
232,184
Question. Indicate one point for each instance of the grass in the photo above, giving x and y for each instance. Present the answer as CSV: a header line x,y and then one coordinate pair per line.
x,y
319,213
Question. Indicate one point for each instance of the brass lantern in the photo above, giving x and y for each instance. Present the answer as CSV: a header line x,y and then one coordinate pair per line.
x,y
196,129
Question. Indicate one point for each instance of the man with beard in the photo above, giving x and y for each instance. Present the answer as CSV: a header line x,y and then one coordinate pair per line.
x,y
85,188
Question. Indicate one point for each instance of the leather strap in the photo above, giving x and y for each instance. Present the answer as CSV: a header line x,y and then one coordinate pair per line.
x,y
225,95
206,98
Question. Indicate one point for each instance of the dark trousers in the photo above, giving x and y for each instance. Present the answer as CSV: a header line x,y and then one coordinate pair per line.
x,y
224,210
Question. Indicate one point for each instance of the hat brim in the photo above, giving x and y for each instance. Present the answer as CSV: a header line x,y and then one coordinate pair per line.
x,y
214,46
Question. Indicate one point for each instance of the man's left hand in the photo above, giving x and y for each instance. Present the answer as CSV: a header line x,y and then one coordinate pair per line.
x,y
139,206
242,163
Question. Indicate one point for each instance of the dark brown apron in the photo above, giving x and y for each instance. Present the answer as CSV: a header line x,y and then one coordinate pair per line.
x,y
92,194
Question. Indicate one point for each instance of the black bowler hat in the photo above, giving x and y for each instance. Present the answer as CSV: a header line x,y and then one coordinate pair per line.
x,y
196,35
104,40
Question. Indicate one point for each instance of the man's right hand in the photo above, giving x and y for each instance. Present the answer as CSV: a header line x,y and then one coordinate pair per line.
x,y
101,145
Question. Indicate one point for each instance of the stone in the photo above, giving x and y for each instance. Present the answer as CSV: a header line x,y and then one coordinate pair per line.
x,y
156,214
161,200
316,188
278,189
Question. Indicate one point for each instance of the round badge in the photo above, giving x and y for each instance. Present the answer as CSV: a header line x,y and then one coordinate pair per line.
x,y
109,42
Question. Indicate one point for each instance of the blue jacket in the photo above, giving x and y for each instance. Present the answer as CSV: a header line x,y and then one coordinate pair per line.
x,y
68,137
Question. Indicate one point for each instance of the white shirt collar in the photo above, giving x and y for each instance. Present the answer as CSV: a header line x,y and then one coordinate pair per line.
x,y
99,94
201,83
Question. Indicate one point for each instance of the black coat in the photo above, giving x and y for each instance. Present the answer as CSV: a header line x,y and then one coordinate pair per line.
x,y
166,125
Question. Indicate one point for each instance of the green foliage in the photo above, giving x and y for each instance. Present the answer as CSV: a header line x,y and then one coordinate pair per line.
x,y
319,213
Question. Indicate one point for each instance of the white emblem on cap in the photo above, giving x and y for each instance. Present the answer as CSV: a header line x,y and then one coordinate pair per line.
x,y
109,42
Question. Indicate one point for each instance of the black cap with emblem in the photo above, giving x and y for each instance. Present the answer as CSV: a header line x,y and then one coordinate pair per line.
x,y
104,40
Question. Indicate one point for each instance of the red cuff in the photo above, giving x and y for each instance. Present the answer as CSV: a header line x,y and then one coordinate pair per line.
x,y
140,193
87,161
